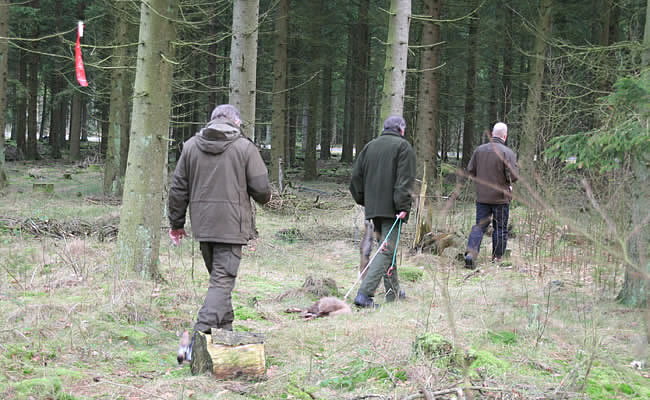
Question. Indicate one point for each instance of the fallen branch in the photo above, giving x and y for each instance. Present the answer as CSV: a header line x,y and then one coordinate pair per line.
x,y
13,277
422,394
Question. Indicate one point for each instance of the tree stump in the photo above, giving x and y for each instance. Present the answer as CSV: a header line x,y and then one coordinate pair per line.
x,y
228,354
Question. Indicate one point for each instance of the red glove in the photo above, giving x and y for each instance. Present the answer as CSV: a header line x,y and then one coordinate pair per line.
x,y
402,215
176,235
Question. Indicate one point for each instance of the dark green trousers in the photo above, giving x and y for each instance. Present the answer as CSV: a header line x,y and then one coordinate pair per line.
x,y
222,261
380,266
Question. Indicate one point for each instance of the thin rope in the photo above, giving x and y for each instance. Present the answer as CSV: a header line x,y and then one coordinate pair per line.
x,y
392,264
372,258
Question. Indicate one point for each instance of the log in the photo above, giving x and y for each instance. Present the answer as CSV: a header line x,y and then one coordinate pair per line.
x,y
228,354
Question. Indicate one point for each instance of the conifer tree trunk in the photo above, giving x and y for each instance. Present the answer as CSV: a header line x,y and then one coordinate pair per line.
x,y
392,102
212,70
75,127
361,55
57,124
492,113
4,50
280,95
84,122
31,152
470,86
531,128
46,99
243,58
636,287
426,128
32,110
56,103
326,132
118,115
21,104
138,241
506,77
347,134
293,126
309,137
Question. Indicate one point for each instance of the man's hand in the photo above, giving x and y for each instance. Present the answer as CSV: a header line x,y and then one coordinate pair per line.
x,y
176,235
402,215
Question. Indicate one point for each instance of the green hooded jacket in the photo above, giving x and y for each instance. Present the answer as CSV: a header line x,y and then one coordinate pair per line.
x,y
383,176
218,170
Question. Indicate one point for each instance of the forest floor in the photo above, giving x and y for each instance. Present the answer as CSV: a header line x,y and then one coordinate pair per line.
x,y
544,324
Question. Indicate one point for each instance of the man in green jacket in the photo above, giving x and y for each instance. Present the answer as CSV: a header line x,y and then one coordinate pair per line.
x,y
382,181
218,170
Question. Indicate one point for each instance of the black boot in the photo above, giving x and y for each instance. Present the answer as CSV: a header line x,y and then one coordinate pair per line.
x,y
469,261
363,301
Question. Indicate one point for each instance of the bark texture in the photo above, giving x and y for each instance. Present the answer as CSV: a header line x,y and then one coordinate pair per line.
x,y
139,235
310,137
32,109
118,116
528,140
470,88
326,118
21,102
392,102
426,129
280,82
506,77
243,58
360,56
347,138
4,49
636,287
75,127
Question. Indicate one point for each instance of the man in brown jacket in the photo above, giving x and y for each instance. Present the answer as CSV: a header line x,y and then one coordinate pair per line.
x,y
493,167
218,170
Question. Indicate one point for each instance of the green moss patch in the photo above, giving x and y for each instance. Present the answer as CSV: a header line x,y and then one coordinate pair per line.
x,y
502,337
410,274
488,363
42,388
359,372
246,313
604,383
433,346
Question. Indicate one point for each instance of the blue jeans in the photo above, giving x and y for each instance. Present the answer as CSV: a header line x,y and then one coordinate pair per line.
x,y
498,214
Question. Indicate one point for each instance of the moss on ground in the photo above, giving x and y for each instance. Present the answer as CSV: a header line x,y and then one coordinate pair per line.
x,y
488,364
42,388
410,274
604,383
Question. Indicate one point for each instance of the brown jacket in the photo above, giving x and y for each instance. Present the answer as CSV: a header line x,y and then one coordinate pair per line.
x,y
494,169
218,170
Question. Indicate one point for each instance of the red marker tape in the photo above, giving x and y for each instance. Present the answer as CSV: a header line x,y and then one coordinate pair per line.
x,y
79,62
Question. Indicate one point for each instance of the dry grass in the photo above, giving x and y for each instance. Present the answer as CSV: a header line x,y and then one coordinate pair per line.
x,y
75,325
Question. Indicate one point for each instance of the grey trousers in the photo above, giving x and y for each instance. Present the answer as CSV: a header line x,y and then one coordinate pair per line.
x,y
380,266
222,261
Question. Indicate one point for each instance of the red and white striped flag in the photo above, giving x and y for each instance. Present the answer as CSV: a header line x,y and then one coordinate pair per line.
x,y
79,62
